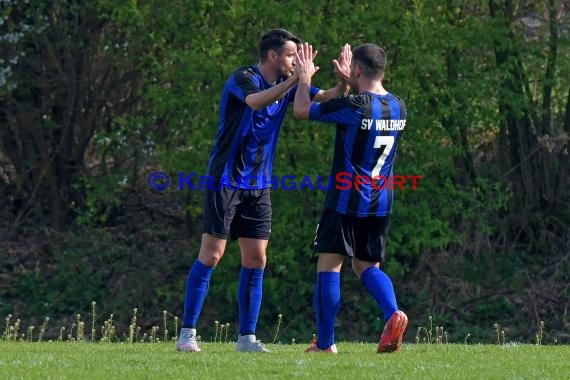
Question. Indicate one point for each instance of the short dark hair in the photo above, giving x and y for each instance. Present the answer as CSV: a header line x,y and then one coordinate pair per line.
x,y
274,40
371,58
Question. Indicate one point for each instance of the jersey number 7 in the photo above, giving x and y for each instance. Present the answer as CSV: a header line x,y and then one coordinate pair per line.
x,y
386,142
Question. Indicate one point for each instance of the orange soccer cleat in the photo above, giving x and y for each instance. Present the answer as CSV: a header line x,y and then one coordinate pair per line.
x,y
315,348
391,338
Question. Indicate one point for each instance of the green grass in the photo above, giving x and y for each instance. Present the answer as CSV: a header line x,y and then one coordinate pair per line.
x,y
56,360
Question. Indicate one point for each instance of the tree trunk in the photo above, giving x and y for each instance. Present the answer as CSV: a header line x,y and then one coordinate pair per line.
x,y
67,87
524,175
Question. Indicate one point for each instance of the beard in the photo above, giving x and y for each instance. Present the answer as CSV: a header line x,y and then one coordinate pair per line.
x,y
284,74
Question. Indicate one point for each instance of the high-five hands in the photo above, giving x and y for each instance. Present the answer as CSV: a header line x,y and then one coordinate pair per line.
x,y
341,66
304,66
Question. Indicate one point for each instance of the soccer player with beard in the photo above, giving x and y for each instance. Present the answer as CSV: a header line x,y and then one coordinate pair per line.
x,y
238,205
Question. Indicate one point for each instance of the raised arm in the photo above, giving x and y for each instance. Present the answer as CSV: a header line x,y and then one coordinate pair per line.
x,y
266,97
305,69
342,72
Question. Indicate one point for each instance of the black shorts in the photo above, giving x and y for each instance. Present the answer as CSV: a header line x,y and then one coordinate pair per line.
x,y
236,213
360,237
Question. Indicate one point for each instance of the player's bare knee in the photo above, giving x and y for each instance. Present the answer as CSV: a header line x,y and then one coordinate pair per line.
x,y
253,258
210,258
359,266
256,261
212,250
356,269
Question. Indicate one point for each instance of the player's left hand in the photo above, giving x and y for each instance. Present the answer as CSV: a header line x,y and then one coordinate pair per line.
x,y
341,66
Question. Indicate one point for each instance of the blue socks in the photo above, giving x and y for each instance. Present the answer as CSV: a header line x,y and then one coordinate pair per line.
x,y
380,286
327,300
249,296
196,290
250,291
327,306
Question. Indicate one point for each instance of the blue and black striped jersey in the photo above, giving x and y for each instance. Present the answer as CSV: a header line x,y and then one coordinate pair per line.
x,y
368,129
245,143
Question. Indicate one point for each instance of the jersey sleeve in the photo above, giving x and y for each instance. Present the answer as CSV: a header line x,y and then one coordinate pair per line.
x,y
244,84
313,91
343,110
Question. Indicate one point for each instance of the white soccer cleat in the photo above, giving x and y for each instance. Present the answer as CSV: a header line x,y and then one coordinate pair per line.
x,y
187,341
248,343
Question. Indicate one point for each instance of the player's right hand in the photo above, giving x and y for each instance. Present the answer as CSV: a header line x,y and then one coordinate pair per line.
x,y
304,66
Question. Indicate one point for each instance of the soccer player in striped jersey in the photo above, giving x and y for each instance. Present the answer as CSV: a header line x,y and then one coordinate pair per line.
x,y
357,212
237,201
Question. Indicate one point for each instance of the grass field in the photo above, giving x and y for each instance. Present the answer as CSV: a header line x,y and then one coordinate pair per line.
x,y
56,360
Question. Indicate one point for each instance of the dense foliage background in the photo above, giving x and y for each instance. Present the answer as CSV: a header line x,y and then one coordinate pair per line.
x,y
95,96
